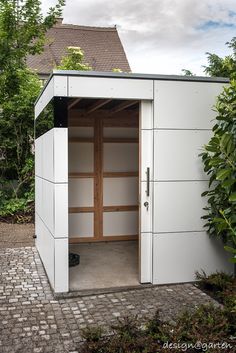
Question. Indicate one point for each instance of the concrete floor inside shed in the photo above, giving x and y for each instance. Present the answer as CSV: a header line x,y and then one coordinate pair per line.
x,y
105,265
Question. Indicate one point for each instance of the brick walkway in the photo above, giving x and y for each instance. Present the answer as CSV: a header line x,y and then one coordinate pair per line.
x,y
31,320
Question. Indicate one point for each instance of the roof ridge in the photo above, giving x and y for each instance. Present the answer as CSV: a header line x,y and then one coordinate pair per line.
x,y
86,28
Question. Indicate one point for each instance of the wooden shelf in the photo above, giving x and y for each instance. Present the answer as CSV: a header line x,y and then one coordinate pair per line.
x,y
120,140
119,174
80,139
78,239
81,209
120,208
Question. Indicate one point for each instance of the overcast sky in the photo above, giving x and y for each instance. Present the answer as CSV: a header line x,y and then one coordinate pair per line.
x,y
161,36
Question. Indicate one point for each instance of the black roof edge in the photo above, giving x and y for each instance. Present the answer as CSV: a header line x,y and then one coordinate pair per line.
x,y
133,76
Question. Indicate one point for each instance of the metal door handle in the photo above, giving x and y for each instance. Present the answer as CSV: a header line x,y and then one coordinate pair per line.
x,y
148,182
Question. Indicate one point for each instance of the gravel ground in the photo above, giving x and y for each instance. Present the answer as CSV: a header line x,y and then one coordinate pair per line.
x,y
16,235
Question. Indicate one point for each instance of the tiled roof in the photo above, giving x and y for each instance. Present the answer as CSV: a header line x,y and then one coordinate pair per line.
x,y
101,45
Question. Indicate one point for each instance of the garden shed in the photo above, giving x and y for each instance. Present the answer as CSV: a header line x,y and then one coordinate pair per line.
x,y
118,179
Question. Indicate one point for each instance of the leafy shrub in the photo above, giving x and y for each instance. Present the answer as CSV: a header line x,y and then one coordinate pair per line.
x,y
206,324
219,159
216,283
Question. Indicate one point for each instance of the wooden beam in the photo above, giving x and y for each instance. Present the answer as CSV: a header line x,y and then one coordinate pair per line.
x,y
120,208
98,180
74,103
100,103
122,106
119,174
105,238
120,139
81,209
80,139
81,175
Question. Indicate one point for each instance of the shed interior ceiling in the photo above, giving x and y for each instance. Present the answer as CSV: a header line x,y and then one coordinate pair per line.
x,y
87,105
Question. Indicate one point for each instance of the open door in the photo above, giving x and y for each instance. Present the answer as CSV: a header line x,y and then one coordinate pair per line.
x,y
145,191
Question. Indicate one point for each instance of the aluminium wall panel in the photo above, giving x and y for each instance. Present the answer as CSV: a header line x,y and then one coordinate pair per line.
x,y
146,198
178,206
178,256
45,246
47,95
60,155
185,105
61,210
146,257
60,86
61,265
177,154
48,155
117,88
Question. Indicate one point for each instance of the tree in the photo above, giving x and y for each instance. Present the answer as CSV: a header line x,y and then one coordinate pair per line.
x,y
73,60
22,32
222,67
219,156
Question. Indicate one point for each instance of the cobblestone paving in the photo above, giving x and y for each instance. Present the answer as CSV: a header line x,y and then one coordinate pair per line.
x,y
33,321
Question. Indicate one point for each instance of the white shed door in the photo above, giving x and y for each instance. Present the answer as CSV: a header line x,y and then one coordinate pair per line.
x,y
146,190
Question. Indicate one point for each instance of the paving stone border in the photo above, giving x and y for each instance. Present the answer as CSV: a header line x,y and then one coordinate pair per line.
x,y
32,320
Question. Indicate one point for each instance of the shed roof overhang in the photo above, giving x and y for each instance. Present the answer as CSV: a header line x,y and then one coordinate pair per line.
x,y
106,86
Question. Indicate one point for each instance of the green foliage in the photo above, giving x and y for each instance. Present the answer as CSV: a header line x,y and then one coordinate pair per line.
x,y
219,159
222,67
74,60
187,72
22,32
221,287
207,324
16,148
216,284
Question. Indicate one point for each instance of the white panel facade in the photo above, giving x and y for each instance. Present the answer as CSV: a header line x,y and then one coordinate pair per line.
x,y
61,210
146,115
99,87
177,154
61,265
60,155
45,245
38,156
45,98
185,105
146,190
60,86
51,185
146,154
146,208
146,257
178,206
178,256
48,156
